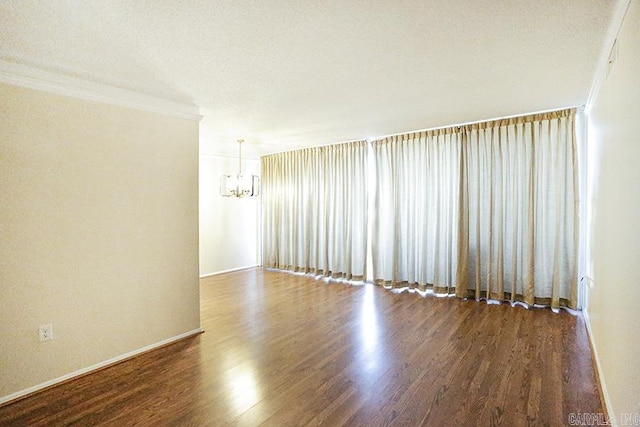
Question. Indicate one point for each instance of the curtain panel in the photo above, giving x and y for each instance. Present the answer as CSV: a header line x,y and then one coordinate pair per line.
x,y
315,210
487,210
518,223
415,231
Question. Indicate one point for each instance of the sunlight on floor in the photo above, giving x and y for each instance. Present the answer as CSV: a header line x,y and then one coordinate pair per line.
x,y
243,388
369,330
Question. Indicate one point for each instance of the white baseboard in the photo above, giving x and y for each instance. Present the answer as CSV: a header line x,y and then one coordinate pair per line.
x,y
215,273
97,366
601,380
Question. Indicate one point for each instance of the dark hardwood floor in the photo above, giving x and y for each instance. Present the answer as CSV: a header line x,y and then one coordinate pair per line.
x,y
285,350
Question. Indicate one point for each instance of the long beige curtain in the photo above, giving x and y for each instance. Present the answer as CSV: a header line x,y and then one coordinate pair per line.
x,y
415,230
519,210
315,210
486,210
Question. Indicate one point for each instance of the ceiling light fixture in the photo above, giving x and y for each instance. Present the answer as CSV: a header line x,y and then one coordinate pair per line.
x,y
239,185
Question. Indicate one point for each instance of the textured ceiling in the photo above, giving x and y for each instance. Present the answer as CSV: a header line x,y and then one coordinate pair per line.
x,y
285,74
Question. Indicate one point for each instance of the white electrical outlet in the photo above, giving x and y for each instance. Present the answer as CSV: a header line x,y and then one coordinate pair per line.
x,y
46,332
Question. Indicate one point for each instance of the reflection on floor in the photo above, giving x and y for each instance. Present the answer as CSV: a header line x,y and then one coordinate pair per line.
x,y
282,349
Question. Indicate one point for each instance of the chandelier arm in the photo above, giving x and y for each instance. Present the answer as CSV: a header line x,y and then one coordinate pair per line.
x,y
240,157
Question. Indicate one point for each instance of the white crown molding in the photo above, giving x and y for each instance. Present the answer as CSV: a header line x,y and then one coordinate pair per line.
x,y
35,78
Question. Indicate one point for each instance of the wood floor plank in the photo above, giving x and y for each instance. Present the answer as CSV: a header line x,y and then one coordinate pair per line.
x,y
284,349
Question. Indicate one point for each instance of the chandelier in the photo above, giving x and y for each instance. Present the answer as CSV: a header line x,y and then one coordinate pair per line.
x,y
239,185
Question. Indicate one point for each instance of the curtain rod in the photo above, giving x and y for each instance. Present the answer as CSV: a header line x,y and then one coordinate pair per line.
x,y
579,109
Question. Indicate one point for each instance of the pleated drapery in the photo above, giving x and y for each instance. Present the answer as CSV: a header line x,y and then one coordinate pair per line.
x,y
487,210
315,210
415,230
518,232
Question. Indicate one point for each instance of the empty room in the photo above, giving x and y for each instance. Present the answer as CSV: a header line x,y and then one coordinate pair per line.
x,y
294,213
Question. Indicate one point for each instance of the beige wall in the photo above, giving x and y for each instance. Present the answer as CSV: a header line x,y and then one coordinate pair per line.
x,y
99,233
613,305
229,229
